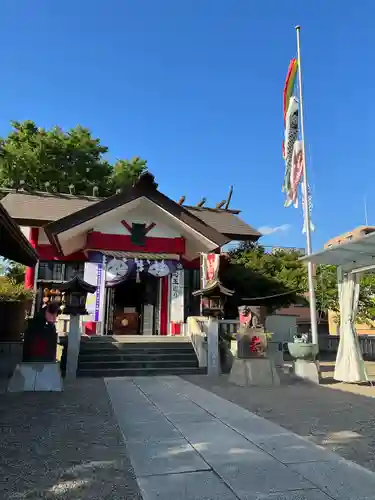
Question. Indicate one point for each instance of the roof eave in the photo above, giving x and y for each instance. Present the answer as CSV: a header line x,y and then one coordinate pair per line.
x,y
243,236
29,255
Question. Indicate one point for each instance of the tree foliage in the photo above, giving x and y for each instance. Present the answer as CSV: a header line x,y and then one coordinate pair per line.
x,y
13,270
253,272
54,159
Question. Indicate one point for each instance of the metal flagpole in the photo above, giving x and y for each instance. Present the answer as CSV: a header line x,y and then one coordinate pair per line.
x,y
310,270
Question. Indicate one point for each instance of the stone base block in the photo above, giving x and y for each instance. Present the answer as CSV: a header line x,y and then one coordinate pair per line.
x,y
307,370
254,372
36,377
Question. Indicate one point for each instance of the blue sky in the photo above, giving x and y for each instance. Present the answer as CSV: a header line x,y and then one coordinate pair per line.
x,y
195,87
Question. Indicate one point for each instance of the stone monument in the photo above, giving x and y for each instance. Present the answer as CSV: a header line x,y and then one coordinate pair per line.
x,y
252,367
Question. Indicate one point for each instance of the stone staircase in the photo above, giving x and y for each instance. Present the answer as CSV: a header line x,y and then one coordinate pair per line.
x,y
121,356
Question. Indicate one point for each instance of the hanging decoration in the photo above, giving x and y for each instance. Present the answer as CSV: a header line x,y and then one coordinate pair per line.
x,y
159,269
139,269
309,208
291,135
210,268
119,270
289,85
296,171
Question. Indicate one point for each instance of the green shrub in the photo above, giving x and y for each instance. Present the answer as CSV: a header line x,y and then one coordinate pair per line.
x,y
10,291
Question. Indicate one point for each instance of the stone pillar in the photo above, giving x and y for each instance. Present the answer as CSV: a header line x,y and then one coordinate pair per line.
x,y
74,341
213,357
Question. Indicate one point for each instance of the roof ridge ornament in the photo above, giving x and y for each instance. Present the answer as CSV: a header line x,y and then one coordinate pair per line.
x,y
146,181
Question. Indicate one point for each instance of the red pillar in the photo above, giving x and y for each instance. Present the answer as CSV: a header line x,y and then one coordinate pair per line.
x,y
30,271
164,303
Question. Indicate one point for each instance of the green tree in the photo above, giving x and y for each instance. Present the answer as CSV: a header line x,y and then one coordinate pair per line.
x,y
54,160
254,273
12,270
125,172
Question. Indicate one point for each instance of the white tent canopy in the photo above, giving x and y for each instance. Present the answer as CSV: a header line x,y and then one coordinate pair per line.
x,y
351,258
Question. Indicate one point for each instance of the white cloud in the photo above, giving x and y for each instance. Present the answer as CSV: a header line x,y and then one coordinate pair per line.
x,y
267,230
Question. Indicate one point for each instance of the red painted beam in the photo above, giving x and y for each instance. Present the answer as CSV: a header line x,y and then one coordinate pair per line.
x,y
49,252
100,241
191,264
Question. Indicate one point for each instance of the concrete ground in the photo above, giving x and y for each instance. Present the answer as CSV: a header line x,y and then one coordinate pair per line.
x,y
340,417
61,446
185,442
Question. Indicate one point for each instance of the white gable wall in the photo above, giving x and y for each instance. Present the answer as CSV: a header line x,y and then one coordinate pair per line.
x,y
43,240
139,215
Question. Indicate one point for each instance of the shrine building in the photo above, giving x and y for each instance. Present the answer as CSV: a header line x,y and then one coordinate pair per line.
x,y
139,247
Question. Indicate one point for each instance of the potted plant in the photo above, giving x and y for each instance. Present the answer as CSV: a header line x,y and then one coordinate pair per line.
x,y
15,299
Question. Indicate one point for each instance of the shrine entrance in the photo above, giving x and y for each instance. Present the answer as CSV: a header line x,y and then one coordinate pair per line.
x,y
133,306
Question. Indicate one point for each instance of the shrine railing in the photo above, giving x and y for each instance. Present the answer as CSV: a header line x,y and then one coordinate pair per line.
x,y
196,329
228,326
330,343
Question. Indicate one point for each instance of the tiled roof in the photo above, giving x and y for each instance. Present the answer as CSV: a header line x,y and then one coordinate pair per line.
x,y
47,207
43,206
225,221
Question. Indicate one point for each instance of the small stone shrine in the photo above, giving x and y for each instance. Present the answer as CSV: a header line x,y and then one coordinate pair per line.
x,y
252,367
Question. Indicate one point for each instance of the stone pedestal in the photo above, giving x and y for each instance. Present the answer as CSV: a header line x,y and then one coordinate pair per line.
x,y
254,372
36,376
275,351
307,370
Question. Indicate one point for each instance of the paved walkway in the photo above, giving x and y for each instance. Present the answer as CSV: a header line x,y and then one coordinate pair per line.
x,y
187,443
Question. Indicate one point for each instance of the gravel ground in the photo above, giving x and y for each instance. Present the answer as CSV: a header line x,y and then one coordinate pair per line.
x,y
340,417
63,446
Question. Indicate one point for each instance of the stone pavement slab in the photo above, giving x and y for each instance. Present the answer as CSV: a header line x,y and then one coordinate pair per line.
x,y
193,486
338,417
198,446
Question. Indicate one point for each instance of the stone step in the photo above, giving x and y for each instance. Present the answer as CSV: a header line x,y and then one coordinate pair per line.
x,y
138,339
137,355
130,372
102,347
130,364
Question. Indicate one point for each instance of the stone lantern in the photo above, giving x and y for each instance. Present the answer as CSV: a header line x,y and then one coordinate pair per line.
x,y
213,299
74,295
